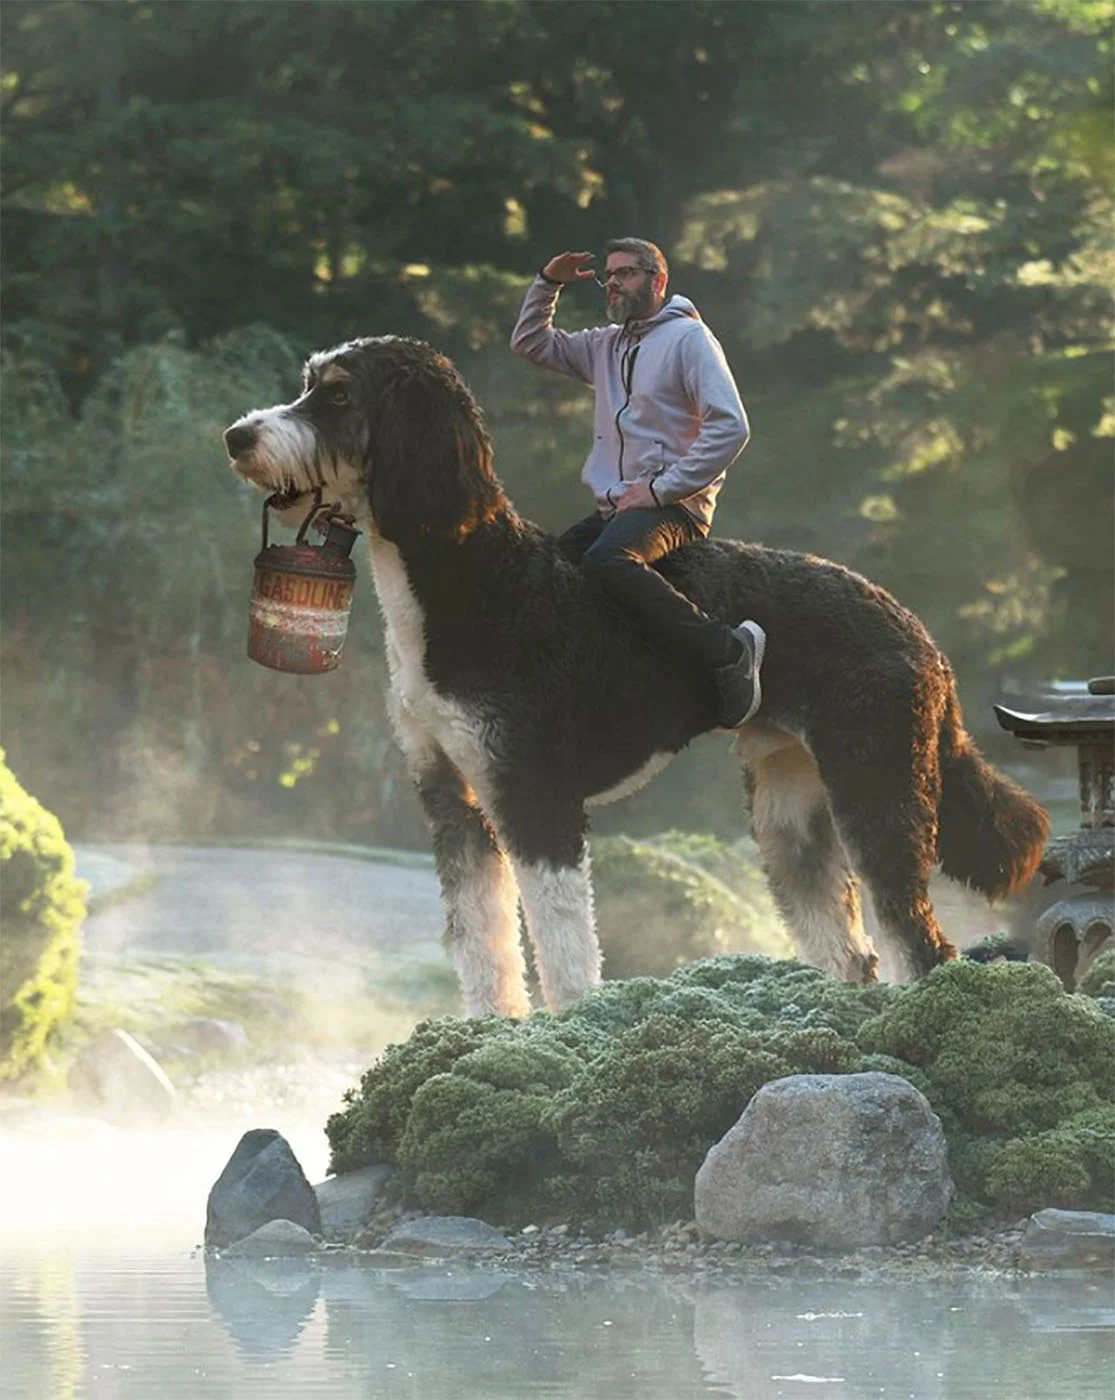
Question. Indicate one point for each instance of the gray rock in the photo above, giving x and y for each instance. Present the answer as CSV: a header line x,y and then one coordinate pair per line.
x,y
832,1161
1069,1239
117,1076
446,1234
206,1035
348,1202
278,1239
262,1181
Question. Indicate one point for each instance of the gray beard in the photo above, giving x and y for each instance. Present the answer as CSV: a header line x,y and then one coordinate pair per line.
x,y
628,308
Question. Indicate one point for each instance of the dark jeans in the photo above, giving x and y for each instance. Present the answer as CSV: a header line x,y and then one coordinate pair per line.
x,y
619,550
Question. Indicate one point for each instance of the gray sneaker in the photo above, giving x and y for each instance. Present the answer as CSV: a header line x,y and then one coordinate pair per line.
x,y
738,685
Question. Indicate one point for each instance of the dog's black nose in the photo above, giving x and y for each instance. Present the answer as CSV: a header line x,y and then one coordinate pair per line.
x,y
239,439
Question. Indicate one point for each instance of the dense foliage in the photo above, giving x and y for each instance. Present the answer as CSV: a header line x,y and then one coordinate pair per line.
x,y
42,907
1099,980
605,1112
1020,1075
894,214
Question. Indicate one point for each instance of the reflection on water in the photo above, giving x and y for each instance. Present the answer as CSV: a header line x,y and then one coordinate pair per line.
x,y
174,1326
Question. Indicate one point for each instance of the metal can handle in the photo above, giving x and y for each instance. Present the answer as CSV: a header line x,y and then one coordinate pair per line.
x,y
275,499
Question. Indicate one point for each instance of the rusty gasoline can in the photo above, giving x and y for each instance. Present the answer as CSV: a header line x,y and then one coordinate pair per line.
x,y
302,596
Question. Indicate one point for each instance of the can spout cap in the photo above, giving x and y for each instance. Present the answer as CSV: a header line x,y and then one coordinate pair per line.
x,y
339,539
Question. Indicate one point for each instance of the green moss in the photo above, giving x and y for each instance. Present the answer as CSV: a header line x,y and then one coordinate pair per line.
x,y
480,1134
991,945
42,906
639,1120
1068,1166
371,1126
604,1113
963,1216
1018,1069
1007,1051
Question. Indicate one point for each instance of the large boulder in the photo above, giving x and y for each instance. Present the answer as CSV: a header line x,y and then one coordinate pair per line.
x,y
440,1235
1069,1239
278,1239
262,1181
349,1201
832,1161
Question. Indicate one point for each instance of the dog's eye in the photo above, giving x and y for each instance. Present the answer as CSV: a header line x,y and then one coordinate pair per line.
x,y
339,397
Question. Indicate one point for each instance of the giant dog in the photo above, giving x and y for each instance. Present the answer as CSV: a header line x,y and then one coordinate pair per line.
x,y
520,694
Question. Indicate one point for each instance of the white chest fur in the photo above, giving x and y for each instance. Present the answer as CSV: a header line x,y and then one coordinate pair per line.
x,y
424,719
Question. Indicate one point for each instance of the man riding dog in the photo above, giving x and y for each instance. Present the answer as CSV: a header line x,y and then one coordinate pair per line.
x,y
669,423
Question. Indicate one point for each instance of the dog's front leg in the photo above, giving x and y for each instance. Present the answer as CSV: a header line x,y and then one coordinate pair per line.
x,y
478,891
546,839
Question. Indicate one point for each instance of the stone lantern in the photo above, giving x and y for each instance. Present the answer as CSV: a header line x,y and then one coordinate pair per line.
x,y
1072,932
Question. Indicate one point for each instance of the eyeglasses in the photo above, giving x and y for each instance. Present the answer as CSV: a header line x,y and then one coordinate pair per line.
x,y
621,274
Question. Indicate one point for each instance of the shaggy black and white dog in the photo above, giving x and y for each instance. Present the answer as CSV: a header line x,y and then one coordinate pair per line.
x,y
520,694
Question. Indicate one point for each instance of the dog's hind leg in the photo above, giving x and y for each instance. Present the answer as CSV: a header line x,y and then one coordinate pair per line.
x,y
810,877
478,890
547,845
884,793
894,852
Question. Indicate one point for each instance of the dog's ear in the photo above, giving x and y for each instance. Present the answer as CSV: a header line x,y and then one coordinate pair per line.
x,y
429,468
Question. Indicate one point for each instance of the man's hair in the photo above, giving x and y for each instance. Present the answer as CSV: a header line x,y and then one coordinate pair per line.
x,y
647,255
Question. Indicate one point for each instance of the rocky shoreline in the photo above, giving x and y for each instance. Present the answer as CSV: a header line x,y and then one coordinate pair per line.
x,y
263,1206
678,1250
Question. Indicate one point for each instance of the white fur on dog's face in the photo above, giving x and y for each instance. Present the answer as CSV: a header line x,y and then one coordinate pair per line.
x,y
315,443
284,452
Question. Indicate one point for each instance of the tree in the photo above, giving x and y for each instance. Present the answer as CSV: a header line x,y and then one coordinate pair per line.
x,y
894,214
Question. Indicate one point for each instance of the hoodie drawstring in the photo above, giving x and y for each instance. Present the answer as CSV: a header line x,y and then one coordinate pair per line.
x,y
626,378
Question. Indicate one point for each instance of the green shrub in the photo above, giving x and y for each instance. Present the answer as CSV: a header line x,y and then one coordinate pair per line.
x,y
1068,1166
481,1132
371,1126
1020,1073
637,1123
1099,980
604,1113
42,906
663,903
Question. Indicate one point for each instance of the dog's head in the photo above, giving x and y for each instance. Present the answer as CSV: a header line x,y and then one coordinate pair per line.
x,y
386,427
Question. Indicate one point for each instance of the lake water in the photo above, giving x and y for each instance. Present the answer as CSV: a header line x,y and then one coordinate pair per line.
x,y
104,1294
139,1326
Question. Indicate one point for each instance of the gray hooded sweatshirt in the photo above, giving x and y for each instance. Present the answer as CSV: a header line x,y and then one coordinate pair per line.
x,y
667,409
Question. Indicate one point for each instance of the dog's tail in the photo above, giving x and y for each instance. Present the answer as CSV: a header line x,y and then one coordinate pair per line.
x,y
991,831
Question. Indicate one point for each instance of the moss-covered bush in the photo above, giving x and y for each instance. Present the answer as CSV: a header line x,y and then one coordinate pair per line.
x,y
1020,1073
1099,980
42,906
668,901
604,1113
